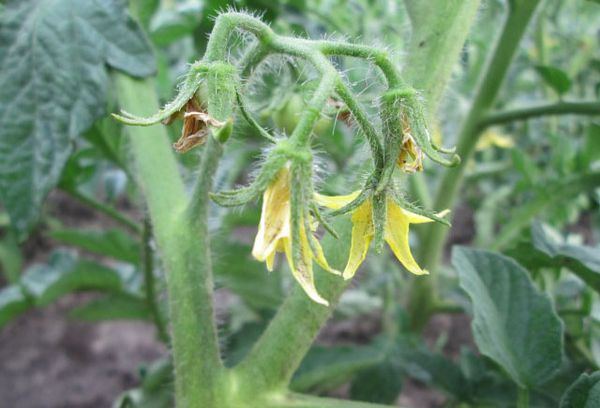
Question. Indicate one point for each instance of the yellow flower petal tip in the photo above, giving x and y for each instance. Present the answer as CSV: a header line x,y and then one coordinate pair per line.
x,y
275,235
321,301
442,214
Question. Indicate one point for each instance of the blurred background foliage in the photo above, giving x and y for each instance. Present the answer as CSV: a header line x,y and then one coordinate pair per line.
x,y
531,192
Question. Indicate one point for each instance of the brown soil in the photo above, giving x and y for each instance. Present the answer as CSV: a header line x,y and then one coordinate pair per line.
x,y
49,361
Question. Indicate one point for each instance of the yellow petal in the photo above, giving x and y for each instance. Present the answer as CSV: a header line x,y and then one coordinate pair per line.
x,y
270,259
319,256
362,234
303,271
494,138
335,202
275,217
416,218
396,235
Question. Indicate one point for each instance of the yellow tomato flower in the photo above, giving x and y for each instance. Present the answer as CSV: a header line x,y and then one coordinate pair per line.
x,y
274,235
493,138
395,231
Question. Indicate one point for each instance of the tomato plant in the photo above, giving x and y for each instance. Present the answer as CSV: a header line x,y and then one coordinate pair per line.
x,y
450,171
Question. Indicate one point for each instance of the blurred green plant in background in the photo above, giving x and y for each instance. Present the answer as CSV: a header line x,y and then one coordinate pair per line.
x,y
514,84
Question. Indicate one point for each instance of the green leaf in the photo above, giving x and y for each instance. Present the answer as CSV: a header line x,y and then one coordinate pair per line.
x,y
53,57
11,259
113,243
438,370
554,77
13,302
156,390
106,137
64,274
171,24
525,165
113,307
144,10
381,384
545,195
327,367
514,323
584,261
80,168
583,393
591,148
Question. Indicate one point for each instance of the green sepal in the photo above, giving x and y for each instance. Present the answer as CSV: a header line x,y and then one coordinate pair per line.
x,y
392,139
406,101
379,220
254,124
322,219
296,214
222,81
223,133
402,203
363,196
187,89
233,198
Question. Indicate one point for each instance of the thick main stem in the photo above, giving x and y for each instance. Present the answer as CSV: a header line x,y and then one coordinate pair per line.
x,y
149,282
183,245
490,81
190,287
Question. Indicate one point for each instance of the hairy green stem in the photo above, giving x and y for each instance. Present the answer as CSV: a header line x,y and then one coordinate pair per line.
x,y
490,81
280,350
523,398
379,57
363,122
560,108
183,245
150,282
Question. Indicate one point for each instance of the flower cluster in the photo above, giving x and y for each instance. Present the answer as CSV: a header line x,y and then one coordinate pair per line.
x,y
291,208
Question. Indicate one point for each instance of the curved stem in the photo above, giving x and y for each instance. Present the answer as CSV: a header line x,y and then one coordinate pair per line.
x,y
226,23
379,57
363,121
560,108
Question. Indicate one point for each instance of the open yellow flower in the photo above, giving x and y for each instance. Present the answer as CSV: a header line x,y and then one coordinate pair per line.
x,y
274,235
395,231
